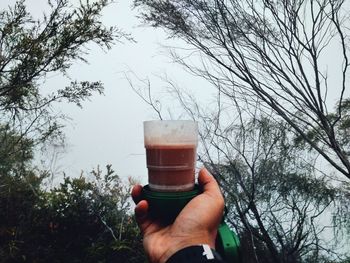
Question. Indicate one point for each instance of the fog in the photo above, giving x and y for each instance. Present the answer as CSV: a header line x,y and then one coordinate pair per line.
x,y
108,129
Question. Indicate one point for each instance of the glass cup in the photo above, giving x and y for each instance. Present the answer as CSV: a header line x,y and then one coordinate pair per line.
x,y
171,152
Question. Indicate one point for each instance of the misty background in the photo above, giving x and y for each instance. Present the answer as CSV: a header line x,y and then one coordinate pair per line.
x,y
109,128
275,138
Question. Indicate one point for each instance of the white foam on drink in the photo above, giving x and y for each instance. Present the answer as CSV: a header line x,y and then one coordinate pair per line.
x,y
170,133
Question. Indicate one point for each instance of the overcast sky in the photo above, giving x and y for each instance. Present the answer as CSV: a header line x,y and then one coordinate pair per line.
x,y
108,130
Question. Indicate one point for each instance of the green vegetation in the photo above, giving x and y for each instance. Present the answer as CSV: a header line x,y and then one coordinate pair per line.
x,y
262,142
79,221
83,219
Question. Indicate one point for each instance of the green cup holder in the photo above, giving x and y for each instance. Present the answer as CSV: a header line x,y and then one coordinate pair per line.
x,y
167,205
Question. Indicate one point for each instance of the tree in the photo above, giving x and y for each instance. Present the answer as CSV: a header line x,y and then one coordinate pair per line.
x,y
273,195
79,220
86,220
15,151
31,50
276,51
283,208
280,204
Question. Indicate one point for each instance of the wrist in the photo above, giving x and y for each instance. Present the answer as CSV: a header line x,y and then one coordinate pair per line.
x,y
196,254
184,243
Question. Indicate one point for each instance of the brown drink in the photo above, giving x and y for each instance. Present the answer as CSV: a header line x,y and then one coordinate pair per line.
x,y
171,167
171,154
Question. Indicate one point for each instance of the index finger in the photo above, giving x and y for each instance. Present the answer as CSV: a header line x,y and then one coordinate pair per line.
x,y
136,193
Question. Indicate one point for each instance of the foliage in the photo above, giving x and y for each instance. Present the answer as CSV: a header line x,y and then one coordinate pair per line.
x,y
270,59
81,219
276,199
15,151
31,49
78,221
282,206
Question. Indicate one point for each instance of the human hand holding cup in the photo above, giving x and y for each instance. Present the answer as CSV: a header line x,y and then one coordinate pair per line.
x,y
172,211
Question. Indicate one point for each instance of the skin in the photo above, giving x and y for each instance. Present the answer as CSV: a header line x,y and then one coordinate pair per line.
x,y
196,224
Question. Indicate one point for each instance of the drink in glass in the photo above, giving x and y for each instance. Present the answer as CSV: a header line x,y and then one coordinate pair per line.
x,y
171,148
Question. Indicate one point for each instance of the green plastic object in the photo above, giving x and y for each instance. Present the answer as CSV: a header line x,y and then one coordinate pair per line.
x,y
167,205
227,244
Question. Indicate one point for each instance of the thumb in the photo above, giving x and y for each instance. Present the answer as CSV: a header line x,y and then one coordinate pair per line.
x,y
208,183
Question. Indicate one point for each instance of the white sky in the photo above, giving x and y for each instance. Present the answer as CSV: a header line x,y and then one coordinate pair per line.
x,y
109,129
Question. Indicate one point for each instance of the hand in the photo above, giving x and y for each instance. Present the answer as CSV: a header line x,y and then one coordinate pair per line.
x,y
196,224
